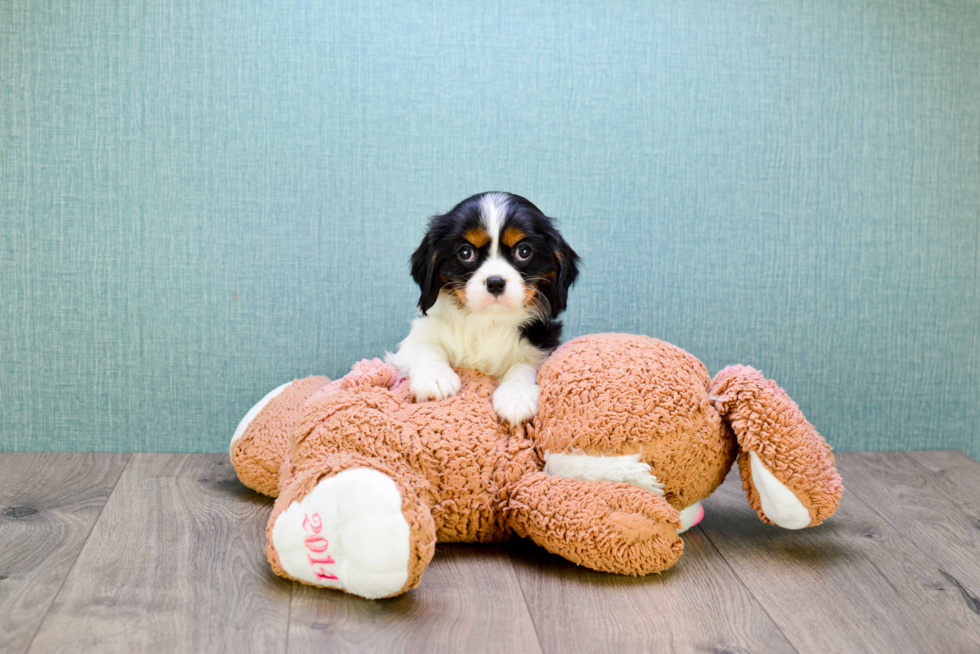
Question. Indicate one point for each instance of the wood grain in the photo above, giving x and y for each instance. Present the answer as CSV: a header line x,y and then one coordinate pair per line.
x,y
955,475
855,583
469,601
174,564
697,605
48,504
939,515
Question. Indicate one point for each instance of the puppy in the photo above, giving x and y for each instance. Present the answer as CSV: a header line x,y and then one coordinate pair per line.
x,y
494,274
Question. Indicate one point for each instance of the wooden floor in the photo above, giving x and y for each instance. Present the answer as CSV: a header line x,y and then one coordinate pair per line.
x,y
164,553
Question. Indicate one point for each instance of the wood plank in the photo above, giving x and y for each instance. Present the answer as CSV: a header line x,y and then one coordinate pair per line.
x,y
469,601
697,605
938,514
175,563
855,583
48,504
956,475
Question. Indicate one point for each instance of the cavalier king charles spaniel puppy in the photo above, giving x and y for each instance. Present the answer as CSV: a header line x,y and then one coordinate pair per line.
x,y
494,274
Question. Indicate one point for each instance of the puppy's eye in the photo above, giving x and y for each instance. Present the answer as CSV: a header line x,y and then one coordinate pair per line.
x,y
523,252
466,254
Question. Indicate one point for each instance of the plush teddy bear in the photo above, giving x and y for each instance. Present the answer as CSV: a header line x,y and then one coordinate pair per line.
x,y
631,434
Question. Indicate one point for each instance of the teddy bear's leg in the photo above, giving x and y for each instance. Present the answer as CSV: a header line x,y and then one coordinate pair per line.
x,y
353,524
260,441
607,526
787,468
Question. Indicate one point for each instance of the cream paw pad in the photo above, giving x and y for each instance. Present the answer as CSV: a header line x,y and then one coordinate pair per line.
x,y
779,503
347,533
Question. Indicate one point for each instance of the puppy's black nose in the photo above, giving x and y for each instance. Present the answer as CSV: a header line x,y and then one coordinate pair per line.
x,y
496,285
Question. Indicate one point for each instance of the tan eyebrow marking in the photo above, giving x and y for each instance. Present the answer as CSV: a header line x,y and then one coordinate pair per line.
x,y
512,236
478,237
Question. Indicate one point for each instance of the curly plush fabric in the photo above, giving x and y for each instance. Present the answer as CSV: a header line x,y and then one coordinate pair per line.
x,y
635,529
614,394
257,455
766,421
461,475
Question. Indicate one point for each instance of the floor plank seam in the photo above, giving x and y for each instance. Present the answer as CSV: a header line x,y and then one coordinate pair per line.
x,y
748,589
527,607
54,599
289,614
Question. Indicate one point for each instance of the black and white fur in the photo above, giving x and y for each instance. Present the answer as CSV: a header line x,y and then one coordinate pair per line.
x,y
494,274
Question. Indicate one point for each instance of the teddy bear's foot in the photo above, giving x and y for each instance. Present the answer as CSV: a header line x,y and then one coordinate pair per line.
x,y
787,468
779,503
349,533
245,422
262,436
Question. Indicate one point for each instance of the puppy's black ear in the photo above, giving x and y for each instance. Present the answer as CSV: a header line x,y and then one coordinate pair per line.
x,y
567,262
425,272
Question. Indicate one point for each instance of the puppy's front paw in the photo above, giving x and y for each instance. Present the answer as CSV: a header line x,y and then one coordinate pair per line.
x,y
516,402
435,382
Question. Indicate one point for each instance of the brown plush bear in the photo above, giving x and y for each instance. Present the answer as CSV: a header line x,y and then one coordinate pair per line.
x,y
631,434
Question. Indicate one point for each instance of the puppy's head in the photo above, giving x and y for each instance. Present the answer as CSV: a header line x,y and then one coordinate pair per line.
x,y
495,253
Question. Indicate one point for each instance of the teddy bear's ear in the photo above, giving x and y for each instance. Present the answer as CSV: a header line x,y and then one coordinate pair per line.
x,y
425,272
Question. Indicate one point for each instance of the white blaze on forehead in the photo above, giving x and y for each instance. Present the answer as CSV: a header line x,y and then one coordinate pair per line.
x,y
493,210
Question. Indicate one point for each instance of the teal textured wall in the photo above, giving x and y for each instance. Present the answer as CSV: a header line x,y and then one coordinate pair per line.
x,y
201,200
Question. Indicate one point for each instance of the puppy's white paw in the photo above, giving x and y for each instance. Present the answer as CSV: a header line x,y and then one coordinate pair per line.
x,y
515,401
434,382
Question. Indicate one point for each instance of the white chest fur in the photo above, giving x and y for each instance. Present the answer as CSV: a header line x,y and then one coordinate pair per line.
x,y
485,342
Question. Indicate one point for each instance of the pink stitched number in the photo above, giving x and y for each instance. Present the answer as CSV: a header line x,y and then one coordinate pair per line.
x,y
318,545
326,561
314,524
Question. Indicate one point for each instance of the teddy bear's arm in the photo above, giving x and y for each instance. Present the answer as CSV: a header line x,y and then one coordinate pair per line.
x,y
606,526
